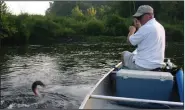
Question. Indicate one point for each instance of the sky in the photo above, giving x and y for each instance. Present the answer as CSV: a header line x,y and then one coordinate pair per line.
x,y
31,7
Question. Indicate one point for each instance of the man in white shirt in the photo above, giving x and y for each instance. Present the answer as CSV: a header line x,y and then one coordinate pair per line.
x,y
149,39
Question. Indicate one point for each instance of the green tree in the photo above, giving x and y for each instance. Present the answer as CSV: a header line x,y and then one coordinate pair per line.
x,y
61,8
23,24
169,12
103,11
91,11
3,28
95,27
6,28
76,12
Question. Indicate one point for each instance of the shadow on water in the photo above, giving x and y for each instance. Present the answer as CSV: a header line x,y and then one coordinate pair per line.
x,y
68,70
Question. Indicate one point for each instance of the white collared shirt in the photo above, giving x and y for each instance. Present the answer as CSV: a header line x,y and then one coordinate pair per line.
x,y
150,41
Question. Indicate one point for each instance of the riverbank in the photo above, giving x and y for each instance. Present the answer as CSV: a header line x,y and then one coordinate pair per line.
x,y
37,29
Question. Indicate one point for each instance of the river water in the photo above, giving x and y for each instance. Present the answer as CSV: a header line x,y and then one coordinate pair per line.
x,y
69,71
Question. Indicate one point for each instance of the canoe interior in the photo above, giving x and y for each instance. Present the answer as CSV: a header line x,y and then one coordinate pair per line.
x,y
106,87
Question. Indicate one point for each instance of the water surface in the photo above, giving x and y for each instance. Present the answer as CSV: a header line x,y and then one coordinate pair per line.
x,y
68,70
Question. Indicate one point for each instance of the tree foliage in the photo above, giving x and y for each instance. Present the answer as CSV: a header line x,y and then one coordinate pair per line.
x,y
6,23
91,11
76,12
68,19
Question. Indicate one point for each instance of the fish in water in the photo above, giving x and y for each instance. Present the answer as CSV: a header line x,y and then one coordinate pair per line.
x,y
49,97
44,91
34,87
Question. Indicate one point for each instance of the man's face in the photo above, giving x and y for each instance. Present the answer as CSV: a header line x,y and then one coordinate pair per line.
x,y
137,23
144,18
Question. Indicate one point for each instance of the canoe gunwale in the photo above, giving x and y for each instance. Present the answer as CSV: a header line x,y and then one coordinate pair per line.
x,y
89,94
103,97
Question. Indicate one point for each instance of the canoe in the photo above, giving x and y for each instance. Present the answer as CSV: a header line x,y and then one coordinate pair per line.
x,y
104,95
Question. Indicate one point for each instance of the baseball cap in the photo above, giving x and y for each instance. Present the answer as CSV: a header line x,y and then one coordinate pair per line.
x,y
142,10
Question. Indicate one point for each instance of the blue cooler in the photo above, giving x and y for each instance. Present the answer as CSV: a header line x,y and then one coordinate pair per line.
x,y
144,84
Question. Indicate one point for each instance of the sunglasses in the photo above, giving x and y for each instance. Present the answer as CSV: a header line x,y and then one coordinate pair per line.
x,y
140,17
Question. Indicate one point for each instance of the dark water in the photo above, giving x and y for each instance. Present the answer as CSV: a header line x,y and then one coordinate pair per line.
x,y
68,70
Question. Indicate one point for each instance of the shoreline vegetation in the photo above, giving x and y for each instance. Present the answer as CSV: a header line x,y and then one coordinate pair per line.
x,y
96,21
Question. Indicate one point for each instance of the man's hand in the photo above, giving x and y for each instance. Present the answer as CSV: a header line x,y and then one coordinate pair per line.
x,y
132,29
137,23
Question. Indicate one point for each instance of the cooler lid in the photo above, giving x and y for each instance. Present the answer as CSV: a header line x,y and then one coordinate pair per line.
x,y
125,73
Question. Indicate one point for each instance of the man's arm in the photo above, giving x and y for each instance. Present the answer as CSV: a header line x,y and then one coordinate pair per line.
x,y
133,29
